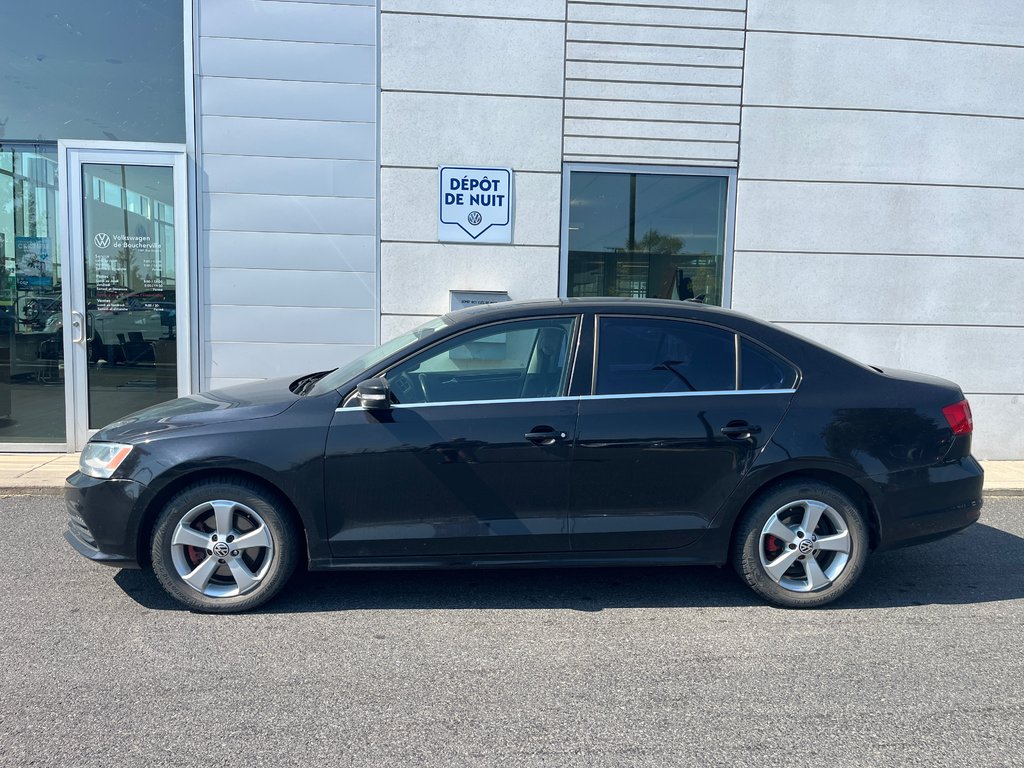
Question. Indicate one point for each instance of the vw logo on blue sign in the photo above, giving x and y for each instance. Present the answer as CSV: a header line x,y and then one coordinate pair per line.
x,y
474,218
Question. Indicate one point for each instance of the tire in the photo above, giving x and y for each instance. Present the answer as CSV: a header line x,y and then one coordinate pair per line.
x,y
193,554
790,566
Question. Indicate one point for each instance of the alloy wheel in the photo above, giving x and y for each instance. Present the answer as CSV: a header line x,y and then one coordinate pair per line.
x,y
222,548
805,545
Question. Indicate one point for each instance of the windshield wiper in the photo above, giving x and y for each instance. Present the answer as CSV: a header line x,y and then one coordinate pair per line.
x,y
303,385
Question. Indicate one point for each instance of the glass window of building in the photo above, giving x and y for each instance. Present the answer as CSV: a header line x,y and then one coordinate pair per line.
x,y
31,371
647,235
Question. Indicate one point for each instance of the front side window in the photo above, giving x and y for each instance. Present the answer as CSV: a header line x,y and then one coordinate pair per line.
x,y
646,355
647,235
520,359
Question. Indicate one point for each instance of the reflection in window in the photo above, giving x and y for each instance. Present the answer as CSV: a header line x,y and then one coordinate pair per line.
x,y
760,369
643,355
31,326
500,362
646,235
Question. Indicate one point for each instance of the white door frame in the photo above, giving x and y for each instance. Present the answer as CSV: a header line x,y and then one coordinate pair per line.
x,y
71,156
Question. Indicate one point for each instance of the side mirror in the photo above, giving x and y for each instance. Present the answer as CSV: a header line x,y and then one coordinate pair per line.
x,y
374,394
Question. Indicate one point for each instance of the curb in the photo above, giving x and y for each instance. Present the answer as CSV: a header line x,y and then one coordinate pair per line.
x,y
32,490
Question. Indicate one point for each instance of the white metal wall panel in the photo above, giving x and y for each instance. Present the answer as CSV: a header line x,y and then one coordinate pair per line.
x,y
289,138
285,20
287,60
287,95
409,289
890,147
411,43
293,100
551,10
832,71
289,176
977,21
248,361
277,250
294,288
841,217
290,213
317,325
914,289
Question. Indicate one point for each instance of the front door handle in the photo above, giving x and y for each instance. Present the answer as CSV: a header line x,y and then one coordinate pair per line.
x,y
544,435
740,430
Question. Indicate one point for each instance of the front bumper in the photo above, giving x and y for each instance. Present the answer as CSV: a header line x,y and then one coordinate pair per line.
x,y
927,503
104,518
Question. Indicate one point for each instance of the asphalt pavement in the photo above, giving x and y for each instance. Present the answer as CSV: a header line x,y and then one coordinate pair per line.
x,y
920,665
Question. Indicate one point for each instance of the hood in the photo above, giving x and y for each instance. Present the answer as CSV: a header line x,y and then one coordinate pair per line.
x,y
258,400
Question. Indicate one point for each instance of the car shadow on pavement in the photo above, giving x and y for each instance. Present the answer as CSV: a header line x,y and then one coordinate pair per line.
x,y
980,564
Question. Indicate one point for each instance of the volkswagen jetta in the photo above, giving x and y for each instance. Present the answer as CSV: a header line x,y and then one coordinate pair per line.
x,y
564,432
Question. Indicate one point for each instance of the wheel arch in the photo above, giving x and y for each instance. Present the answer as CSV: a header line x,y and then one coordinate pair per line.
x,y
160,498
858,495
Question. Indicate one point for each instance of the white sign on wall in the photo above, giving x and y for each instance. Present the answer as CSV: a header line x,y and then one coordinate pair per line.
x,y
465,299
474,205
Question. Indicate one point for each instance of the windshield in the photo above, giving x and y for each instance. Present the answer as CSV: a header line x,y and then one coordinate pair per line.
x,y
339,376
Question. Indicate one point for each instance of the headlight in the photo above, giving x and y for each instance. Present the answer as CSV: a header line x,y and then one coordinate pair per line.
x,y
101,459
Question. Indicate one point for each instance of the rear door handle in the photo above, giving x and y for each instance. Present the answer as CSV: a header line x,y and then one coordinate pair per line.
x,y
740,429
544,435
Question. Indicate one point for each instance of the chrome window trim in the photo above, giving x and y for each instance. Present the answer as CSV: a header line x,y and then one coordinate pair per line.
x,y
567,398
708,393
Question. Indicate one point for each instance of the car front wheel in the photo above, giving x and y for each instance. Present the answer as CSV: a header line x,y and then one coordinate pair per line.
x,y
801,545
223,547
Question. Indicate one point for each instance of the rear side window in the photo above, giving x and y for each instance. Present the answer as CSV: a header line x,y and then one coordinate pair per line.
x,y
761,369
638,355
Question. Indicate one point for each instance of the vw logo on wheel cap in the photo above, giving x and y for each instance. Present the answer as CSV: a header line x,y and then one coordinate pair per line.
x,y
220,549
806,546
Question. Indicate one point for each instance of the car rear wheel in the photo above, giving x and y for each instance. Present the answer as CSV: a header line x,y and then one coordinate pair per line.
x,y
801,545
224,547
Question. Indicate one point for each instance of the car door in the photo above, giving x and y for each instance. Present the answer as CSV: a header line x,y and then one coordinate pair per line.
x,y
669,430
472,457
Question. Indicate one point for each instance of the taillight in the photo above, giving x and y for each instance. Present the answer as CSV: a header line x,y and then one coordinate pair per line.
x,y
959,417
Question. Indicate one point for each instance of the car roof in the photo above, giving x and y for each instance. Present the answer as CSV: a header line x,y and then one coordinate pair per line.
x,y
521,307
789,344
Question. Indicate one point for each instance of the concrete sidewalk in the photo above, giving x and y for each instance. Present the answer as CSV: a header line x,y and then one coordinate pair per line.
x,y
45,473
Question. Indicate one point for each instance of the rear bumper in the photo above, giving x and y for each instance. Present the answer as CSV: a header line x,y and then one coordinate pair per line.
x,y
927,503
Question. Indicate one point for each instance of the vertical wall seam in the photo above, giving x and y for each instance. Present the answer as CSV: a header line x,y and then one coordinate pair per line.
x,y
563,244
739,155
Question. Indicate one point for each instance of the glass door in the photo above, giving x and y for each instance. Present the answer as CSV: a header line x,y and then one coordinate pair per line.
x,y
126,302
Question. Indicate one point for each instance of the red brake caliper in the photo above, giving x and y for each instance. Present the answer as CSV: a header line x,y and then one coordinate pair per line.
x,y
772,546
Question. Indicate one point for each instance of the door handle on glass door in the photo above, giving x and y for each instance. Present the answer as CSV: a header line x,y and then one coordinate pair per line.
x,y
78,325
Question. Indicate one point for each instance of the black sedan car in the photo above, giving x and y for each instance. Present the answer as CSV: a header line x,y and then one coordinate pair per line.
x,y
564,432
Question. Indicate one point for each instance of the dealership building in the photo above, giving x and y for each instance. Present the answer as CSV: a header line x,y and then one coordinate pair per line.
x,y
199,194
